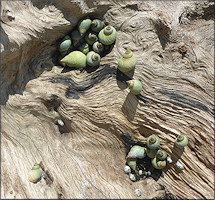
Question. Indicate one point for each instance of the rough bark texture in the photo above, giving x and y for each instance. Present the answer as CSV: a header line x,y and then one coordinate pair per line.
x,y
174,43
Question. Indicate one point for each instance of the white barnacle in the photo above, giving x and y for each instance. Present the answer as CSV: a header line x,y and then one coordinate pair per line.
x,y
138,192
179,165
132,177
149,173
169,160
127,169
140,172
60,122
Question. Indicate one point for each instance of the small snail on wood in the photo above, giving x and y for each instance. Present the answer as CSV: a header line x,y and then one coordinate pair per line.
x,y
35,174
158,164
153,142
74,59
127,62
135,86
98,47
169,160
107,35
179,165
132,162
93,59
84,48
181,141
127,169
84,25
65,44
91,38
161,154
132,177
137,152
97,25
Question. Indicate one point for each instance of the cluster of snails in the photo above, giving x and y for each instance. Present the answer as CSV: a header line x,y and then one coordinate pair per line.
x,y
158,157
83,46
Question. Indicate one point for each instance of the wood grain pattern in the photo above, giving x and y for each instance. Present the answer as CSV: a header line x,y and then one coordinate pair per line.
x,y
174,44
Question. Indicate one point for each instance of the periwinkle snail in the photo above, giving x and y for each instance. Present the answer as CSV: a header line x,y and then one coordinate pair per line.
x,y
127,62
91,38
35,174
74,59
76,37
132,162
127,169
93,59
135,86
97,25
137,152
84,25
107,35
161,154
181,141
153,142
98,47
84,48
65,45
158,164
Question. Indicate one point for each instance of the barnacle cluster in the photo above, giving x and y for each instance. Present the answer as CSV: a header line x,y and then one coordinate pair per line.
x,y
85,44
151,150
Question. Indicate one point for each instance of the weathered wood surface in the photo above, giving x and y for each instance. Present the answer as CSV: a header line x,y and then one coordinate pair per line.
x,y
85,158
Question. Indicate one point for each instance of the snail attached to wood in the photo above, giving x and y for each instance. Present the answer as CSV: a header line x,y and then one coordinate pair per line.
x,y
179,165
127,62
161,154
132,162
74,59
35,174
65,45
84,48
98,47
84,25
107,35
76,37
181,141
91,38
93,59
135,86
153,142
169,160
158,164
137,152
132,177
97,25
151,153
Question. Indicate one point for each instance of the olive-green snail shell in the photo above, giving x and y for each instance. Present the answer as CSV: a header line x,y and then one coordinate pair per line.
x,y
158,164
97,25
84,48
127,62
151,153
75,59
161,154
76,37
107,35
93,59
91,38
65,45
137,152
35,174
135,86
181,141
98,47
153,142
132,162
84,25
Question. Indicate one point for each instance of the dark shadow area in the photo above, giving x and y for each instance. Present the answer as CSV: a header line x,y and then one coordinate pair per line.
x,y
66,128
121,79
53,102
129,106
185,102
75,89
47,175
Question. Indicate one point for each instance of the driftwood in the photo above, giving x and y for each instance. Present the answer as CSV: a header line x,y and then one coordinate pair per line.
x,y
85,158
